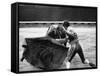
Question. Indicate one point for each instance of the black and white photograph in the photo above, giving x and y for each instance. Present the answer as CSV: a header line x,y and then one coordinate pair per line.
x,y
56,37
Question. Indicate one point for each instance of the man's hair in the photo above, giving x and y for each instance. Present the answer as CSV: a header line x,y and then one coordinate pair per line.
x,y
66,23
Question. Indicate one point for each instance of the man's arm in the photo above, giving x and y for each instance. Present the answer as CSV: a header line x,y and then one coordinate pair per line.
x,y
59,41
49,33
71,34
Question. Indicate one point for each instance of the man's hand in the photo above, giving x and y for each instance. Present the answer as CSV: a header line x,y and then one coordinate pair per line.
x,y
62,41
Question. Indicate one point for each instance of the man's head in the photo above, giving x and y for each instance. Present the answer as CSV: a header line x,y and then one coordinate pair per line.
x,y
66,24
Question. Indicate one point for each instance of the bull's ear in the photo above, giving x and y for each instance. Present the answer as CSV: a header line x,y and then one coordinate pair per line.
x,y
25,46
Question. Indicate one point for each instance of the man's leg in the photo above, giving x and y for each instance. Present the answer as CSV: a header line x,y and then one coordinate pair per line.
x,y
71,54
84,60
81,54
